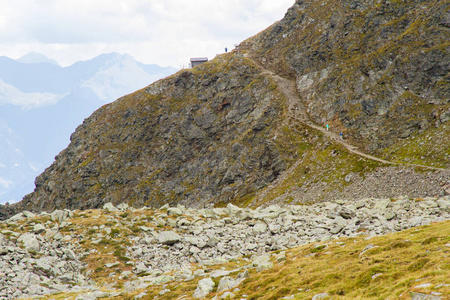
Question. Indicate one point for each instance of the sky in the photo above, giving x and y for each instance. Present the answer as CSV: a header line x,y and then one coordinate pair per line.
x,y
164,32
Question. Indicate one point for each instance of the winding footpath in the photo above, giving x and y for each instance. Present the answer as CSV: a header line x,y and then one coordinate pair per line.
x,y
297,111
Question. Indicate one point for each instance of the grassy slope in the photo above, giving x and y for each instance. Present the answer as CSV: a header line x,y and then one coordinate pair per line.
x,y
401,261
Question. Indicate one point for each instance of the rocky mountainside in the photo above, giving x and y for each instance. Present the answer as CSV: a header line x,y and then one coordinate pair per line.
x,y
249,126
376,70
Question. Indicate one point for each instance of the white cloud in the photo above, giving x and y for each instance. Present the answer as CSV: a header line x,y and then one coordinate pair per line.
x,y
166,32
5,183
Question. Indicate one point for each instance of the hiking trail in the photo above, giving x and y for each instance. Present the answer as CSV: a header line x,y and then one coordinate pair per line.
x,y
297,110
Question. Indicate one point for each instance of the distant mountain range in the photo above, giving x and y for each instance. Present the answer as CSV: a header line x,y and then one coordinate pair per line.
x,y
41,104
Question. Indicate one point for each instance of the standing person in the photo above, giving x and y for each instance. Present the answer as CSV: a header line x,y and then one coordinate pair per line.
x,y
226,49
341,136
328,126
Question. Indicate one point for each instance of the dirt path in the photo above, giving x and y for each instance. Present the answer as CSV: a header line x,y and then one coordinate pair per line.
x,y
297,110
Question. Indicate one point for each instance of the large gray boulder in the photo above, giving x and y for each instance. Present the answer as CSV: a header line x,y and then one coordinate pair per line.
x,y
168,237
30,242
226,283
204,287
38,228
109,206
60,215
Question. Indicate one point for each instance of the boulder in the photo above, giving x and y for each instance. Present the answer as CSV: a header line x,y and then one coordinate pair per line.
x,y
226,283
30,242
38,228
444,204
420,296
123,206
204,287
109,206
260,227
17,217
320,296
60,215
338,224
262,262
168,237
347,212
28,214
232,210
381,204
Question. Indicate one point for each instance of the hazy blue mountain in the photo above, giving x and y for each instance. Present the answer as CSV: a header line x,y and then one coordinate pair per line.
x,y
41,104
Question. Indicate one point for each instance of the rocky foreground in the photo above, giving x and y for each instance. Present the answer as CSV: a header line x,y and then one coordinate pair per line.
x,y
123,250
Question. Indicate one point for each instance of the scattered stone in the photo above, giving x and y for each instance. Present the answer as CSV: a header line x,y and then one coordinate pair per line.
x,y
28,214
207,237
30,242
226,283
347,213
227,295
59,215
174,211
123,206
423,286
262,262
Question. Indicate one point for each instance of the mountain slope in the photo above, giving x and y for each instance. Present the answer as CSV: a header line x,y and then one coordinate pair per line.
x,y
191,124
376,70
230,131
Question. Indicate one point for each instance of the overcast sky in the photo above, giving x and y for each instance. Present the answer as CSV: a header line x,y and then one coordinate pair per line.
x,y
165,32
